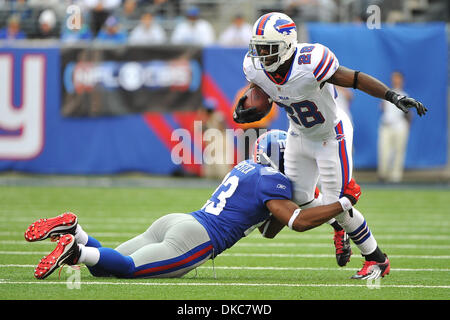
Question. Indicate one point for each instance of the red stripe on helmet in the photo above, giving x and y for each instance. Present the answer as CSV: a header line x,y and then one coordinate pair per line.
x,y
262,23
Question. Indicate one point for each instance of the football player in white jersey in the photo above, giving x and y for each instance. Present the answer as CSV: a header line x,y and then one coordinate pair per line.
x,y
300,78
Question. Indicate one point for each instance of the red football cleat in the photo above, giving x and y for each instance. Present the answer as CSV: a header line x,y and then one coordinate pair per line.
x,y
66,252
373,270
52,227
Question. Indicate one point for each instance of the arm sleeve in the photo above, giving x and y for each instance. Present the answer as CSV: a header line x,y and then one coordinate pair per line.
x,y
323,63
274,186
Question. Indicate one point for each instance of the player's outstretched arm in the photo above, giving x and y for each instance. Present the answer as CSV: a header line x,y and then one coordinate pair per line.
x,y
289,213
271,227
346,77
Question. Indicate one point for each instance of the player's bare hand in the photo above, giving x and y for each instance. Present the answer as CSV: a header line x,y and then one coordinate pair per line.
x,y
405,103
352,191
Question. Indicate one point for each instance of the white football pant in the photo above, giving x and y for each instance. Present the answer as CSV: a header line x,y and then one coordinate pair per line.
x,y
307,160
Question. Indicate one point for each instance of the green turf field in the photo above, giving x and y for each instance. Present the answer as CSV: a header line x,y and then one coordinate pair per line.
x,y
411,226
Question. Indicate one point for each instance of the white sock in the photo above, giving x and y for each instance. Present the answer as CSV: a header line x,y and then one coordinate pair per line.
x,y
89,255
81,236
358,230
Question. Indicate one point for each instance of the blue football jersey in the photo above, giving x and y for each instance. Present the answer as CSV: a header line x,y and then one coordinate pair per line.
x,y
237,206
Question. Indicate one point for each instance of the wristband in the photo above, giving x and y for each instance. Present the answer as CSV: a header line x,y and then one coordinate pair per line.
x,y
355,79
293,217
345,203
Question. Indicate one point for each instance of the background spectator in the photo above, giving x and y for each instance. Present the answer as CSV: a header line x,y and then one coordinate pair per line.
x,y
193,31
148,31
214,164
129,14
344,99
12,30
237,34
47,25
99,11
112,32
393,136
311,10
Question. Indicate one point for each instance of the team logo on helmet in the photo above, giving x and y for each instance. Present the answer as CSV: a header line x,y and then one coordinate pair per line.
x,y
269,149
284,26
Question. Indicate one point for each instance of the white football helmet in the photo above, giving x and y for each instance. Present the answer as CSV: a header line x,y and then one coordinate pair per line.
x,y
273,41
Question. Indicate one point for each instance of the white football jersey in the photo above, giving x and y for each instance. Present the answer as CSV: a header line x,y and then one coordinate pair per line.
x,y
307,99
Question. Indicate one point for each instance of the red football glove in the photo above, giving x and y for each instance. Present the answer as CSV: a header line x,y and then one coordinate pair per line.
x,y
352,191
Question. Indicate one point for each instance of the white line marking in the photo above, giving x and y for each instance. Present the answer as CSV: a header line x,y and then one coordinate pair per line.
x,y
267,243
233,284
256,235
296,236
263,255
289,255
269,268
330,245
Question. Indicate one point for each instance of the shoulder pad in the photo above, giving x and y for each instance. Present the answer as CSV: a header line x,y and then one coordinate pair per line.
x,y
319,60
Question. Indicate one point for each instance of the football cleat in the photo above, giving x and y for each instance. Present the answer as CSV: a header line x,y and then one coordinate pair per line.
x,y
373,270
66,252
52,227
343,248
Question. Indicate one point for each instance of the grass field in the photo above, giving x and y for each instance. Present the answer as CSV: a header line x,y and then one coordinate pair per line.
x,y
411,226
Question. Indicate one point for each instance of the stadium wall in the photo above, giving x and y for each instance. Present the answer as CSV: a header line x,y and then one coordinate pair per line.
x,y
35,135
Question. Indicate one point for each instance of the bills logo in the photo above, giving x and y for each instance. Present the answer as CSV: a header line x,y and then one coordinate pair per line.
x,y
284,26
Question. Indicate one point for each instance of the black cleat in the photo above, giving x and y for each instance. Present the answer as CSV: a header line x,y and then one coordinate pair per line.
x,y
343,248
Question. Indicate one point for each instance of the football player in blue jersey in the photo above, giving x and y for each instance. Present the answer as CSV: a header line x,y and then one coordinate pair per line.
x,y
252,192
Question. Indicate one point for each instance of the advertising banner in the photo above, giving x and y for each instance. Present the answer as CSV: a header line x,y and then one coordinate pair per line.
x,y
110,81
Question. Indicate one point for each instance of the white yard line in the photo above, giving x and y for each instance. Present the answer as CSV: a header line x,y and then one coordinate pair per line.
x,y
264,244
221,284
284,236
313,255
272,268
262,255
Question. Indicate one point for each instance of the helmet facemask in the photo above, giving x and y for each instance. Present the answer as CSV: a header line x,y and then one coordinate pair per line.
x,y
273,42
268,55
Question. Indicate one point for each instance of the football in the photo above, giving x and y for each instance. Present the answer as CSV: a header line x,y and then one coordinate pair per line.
x,y
256,97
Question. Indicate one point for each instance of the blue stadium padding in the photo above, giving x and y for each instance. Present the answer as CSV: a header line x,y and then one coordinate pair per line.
x,y
127,143
87,145
417,50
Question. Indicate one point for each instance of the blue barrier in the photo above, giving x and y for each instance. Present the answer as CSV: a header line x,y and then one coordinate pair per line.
x,y
419,51
51,143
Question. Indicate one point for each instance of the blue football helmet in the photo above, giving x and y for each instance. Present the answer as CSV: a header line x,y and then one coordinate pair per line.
x,y
269,149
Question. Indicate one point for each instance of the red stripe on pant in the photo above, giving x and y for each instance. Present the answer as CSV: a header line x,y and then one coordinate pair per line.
x,y
343,157
175,264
